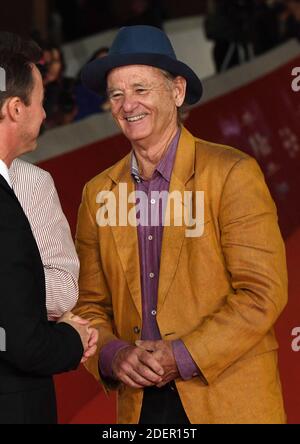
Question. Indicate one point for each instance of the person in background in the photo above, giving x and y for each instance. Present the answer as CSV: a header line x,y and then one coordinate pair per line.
x,y
146,12
37,194
228,24
60,103
292,20
87,101
266,27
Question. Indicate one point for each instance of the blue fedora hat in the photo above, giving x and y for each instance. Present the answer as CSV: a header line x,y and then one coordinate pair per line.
x,y
141,45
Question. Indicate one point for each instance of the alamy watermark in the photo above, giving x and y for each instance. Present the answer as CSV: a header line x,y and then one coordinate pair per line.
x,y
296,81
2,80
296,340
2,340
159,208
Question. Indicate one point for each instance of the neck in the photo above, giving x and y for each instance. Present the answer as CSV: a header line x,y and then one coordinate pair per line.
x,y
7,150
6,158
149,156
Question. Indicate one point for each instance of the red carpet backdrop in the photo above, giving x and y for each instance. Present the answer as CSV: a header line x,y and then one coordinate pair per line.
x,y
260,118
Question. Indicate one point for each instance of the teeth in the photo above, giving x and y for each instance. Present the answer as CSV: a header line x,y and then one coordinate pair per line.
x,y
135,118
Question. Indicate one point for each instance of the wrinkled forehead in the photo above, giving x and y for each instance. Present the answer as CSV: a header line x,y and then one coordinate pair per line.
x,y
132,74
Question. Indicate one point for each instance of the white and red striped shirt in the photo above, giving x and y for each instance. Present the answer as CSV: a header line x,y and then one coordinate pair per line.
x,y
37,194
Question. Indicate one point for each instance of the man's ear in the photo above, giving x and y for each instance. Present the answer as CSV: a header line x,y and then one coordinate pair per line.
x,y
179,90
14,108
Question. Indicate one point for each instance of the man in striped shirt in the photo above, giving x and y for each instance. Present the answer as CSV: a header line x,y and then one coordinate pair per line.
x,y
37,194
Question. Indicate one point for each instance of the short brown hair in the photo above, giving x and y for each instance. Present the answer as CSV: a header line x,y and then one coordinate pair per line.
x,y
16,58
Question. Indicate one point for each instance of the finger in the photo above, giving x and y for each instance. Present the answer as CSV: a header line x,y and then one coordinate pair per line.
x,y
93,336
90,351
152,363
162,384
92,342
139,373
140,380
146,345
147,374
128,381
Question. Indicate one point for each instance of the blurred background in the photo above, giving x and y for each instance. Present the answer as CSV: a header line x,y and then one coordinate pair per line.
x,y
245,51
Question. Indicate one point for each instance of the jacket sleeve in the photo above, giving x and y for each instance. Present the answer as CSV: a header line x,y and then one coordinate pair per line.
x,y
33,345
254,256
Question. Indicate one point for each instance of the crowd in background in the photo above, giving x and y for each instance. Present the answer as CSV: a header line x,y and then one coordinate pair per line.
x,y
240,29
93,16
66,99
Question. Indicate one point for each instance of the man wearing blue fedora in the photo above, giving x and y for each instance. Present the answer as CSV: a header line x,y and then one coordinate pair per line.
x,y
185,320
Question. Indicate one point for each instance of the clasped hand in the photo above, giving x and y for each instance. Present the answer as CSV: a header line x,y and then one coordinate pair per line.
x,y
146,364
88,335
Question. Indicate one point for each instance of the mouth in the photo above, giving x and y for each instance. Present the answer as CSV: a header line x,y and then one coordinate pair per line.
x,y
133,119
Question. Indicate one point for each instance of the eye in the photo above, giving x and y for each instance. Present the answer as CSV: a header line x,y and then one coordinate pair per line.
x,y
115,95
140,90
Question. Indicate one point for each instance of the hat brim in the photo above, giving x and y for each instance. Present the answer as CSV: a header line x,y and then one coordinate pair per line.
x,y
94,74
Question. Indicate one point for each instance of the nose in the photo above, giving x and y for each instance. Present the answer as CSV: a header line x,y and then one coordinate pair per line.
x,y
129,103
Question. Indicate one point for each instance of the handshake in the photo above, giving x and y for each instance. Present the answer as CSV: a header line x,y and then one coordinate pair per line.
x,y
88,335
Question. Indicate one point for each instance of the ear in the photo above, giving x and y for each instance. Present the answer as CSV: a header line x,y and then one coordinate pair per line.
x,y
179,90
14,108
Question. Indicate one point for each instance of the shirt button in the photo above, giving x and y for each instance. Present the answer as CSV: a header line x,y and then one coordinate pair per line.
x,y
153,201
153,312
150,237
151,275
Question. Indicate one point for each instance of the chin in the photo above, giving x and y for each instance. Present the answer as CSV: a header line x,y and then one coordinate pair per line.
x,y
137,135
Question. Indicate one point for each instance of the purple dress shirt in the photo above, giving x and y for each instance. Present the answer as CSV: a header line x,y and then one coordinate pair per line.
x,y
150,241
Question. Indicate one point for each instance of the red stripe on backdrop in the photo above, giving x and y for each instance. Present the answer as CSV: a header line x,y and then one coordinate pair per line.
x,y
261,119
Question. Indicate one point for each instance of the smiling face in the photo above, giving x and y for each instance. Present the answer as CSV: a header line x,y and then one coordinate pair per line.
x,y
144,102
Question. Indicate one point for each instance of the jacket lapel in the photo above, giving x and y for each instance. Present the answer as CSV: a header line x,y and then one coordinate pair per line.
x,y
173,235
7,188
125,236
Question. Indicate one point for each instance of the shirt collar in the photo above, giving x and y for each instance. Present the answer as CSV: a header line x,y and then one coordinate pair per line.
x,y
4,172
165,165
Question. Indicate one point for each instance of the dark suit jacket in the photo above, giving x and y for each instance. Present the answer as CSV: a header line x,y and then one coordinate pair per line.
x,y
35,348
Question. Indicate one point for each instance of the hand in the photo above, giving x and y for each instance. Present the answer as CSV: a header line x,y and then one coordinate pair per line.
x,y
137,367
88,335
68,317
162,351
92,344
93,339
